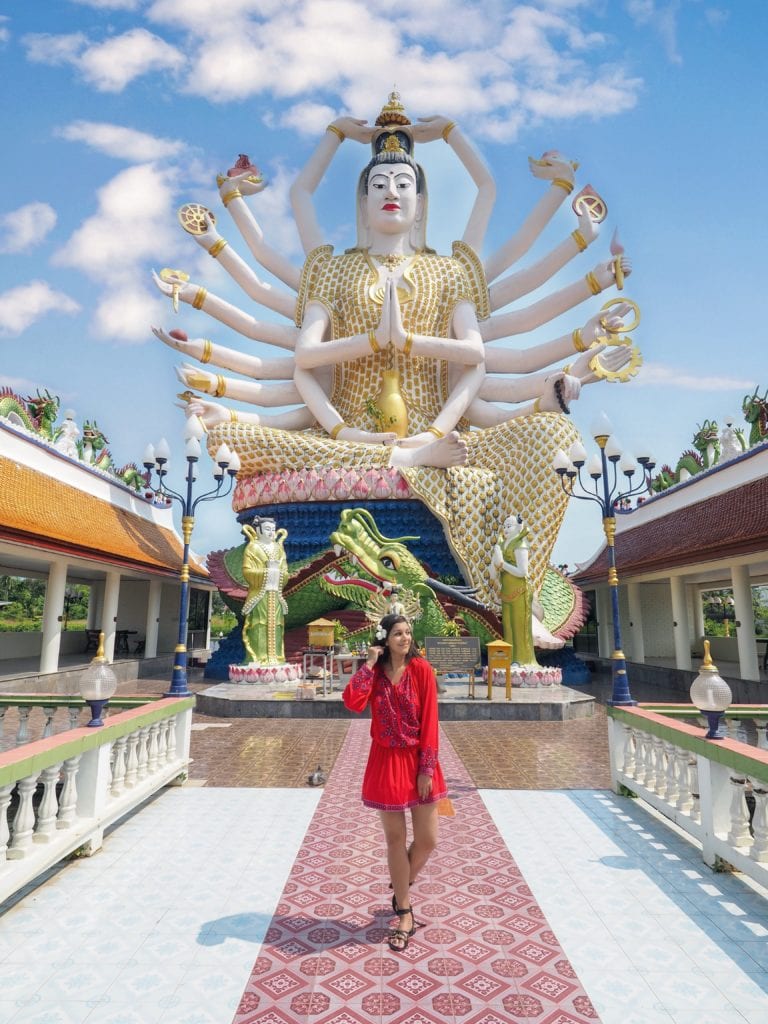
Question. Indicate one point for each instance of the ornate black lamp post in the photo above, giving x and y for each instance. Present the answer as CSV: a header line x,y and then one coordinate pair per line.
x,y
156,460
607,495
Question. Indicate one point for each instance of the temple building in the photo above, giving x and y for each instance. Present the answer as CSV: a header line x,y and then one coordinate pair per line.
x,y
68,522
707,533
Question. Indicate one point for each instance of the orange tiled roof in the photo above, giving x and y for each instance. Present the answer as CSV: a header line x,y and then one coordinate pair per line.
x,y
39,508
723,526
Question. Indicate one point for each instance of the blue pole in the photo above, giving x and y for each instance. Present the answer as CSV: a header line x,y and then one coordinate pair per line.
x,y
621,695
179,685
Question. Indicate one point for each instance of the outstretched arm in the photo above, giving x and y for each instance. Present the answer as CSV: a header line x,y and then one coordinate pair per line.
x,y
543,388
205,351
270,395
232,192
212,413
522,320
552,167
200,298
508,360
312,173
528,280
239,271
430,128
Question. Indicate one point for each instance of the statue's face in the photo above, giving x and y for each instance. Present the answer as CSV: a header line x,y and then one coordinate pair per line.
x,y
267,529
392,202
511,526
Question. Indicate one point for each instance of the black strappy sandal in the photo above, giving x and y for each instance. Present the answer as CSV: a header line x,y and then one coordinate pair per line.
x,y
400,935
394,898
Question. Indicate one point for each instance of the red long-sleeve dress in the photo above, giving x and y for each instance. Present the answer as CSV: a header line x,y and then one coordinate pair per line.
x,y
404,734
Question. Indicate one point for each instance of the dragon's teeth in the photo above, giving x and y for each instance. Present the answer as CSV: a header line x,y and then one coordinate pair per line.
x,y
337,549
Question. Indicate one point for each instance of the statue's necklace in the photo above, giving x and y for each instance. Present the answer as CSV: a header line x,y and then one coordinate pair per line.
x,y
391,260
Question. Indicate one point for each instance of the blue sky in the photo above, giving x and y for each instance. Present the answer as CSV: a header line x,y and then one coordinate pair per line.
x,y
115,112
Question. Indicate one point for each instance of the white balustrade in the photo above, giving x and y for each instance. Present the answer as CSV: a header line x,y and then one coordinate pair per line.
x,y
22,735
68,799
739,834
701,785
670,792
118,766
49,712
684,802
5,833
23,827
49,805
132,760
759,851
103,774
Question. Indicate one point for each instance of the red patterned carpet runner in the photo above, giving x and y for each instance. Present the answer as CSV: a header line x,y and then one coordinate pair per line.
x,y
485,954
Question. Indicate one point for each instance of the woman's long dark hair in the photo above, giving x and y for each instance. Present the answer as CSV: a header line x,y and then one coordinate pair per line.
x,y
388,623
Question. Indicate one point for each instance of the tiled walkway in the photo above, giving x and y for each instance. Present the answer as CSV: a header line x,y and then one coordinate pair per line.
x,y
485,953
167,923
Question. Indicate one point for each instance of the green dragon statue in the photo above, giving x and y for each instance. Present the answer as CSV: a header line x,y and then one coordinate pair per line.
x,y
755,411
383,563
93,447
706,441
36,413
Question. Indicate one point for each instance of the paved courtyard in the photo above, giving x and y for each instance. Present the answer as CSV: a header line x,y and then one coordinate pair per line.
x,y
249,897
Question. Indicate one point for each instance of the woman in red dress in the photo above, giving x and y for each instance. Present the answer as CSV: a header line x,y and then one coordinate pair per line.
x,y
402,771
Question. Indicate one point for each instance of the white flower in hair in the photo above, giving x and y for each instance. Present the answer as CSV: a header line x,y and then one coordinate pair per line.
x,y
381,633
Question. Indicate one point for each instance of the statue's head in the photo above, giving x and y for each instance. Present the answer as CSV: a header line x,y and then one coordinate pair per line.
x,y
392,172
512,526
265,526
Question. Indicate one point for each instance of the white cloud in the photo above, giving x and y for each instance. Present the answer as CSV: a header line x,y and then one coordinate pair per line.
x,y
110,5
662,18
118,141
24,228
129,319
111,65
308,118
5,34
22,306
133,223
503,65
133,228
658,375
44,48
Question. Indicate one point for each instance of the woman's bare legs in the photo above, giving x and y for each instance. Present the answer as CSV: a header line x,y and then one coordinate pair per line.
x,y
393,823
405,862
424,818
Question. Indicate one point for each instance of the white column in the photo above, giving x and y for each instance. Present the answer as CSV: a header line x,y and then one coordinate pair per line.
x,y
604,622
208,614
698,613
745,633
153,618
680,628
636,622
109,613
53,613
95,604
